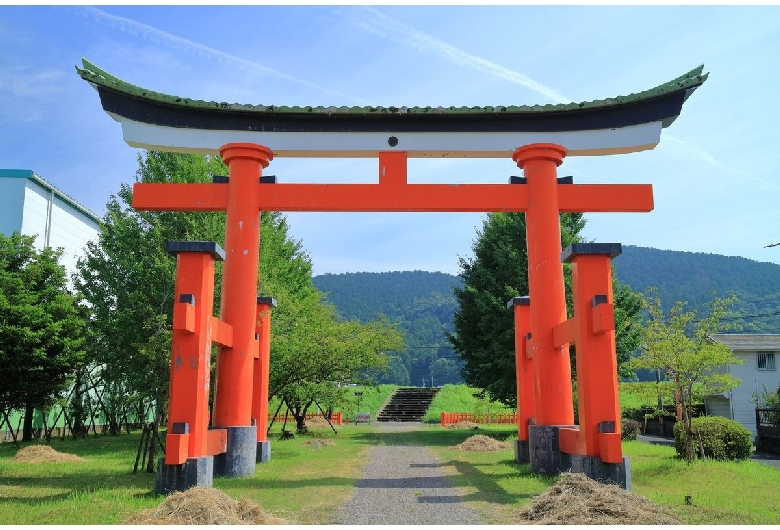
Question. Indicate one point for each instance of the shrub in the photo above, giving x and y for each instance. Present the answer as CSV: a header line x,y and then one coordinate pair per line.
x,y
629,429
637,414
721,438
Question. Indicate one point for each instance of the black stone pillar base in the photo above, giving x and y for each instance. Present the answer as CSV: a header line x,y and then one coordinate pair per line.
x,y
594,468
263,451
181,477
545,450
522,454
239,459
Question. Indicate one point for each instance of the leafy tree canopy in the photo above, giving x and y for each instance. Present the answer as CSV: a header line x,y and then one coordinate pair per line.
x,y
678,343
41,325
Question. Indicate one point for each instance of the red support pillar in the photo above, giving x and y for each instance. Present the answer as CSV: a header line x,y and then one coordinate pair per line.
x,y
524,376
553,391
235,365
190,445
597,386
190,350
261,376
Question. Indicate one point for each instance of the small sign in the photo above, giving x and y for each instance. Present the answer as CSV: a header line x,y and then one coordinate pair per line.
x,y
362,417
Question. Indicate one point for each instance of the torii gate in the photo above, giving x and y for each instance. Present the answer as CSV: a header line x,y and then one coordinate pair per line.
x,y
249,137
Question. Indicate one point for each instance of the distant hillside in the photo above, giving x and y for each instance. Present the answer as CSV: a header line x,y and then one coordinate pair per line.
x,y
421,303
694,276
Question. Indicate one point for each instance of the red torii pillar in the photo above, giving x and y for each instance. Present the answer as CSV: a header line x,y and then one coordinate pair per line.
x,y
553,404
594,447
235,365
524,375
190,445
261,376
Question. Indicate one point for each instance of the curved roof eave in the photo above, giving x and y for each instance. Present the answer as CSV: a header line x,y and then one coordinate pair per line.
x,y
420,131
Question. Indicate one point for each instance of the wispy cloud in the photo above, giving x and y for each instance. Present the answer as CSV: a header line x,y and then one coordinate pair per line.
x,y
26,81
25,92
136,28
380,24
706,157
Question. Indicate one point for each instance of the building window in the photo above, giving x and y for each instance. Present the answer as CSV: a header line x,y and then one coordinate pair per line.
x,y
766,360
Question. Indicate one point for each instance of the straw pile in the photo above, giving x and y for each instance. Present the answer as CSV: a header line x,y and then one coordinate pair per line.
x,y
480,442
318,442
37,454
317,422
202,505
463,425
579,500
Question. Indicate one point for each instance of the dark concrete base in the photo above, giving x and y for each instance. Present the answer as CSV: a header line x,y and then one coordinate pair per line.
x,y
545,450
263,451
181,477
594,468
522,454
239,459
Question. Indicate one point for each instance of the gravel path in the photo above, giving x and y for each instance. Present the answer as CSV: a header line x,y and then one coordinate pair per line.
x,y
405,484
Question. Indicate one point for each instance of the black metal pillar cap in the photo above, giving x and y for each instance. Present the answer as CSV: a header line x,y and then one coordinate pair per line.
x,y
518,300
579,249
266,300
174,247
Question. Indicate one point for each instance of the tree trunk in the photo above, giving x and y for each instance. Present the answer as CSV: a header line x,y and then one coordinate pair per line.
x,y
690,452
27,425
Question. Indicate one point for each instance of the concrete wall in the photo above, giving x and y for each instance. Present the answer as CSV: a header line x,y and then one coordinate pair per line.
x,y
738,403
753,381
30,205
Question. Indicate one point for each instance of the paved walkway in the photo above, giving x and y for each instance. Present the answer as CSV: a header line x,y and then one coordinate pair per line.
x,y
405,484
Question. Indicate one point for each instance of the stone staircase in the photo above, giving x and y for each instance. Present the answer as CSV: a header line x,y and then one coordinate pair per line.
x,y
407,404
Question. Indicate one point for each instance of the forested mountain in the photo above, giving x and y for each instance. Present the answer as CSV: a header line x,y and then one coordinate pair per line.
x,y
422,303
695,276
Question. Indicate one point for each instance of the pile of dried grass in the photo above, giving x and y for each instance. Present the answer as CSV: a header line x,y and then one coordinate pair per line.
x,y
202,505
480,442
37,454
463,425
317,422
318,442
577,499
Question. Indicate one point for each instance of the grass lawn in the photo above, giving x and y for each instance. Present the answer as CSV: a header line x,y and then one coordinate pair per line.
x,y
305,484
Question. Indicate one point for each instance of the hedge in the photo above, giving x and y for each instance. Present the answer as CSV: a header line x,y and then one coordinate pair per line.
x,y
722,438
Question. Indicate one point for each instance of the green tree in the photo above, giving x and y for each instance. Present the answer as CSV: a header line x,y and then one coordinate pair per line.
x,y
41,328
311,350
678,342
498,272
628,328
128,280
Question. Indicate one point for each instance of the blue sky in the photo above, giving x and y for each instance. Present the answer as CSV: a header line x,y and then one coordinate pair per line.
x,y
714,174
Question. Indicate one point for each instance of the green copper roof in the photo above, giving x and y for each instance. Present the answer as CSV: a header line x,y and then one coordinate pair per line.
x,y
94,75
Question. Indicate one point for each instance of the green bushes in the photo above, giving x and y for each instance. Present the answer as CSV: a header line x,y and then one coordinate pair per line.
x,y
629,429
720,438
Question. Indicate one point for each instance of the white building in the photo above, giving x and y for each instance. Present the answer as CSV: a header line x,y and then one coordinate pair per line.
x,y
757,374
32,206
